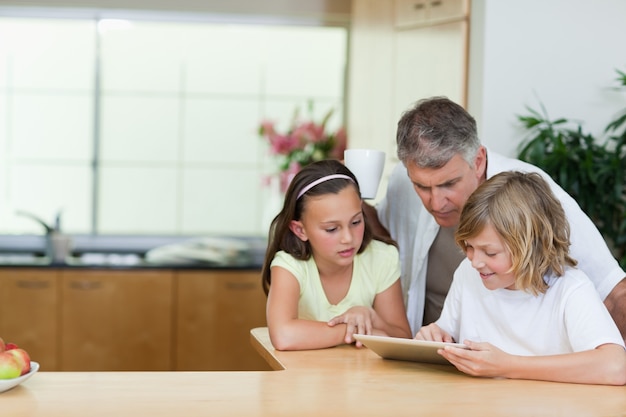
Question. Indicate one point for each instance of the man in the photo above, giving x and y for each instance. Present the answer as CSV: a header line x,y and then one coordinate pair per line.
x,y
443,162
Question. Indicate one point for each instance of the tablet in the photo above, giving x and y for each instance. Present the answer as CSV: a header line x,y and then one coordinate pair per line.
x,y
406,349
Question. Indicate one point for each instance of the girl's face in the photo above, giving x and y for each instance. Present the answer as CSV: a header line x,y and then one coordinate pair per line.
x,y
490,257
334,225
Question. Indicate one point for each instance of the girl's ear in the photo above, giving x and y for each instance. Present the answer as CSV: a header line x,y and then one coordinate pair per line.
x,y
298,229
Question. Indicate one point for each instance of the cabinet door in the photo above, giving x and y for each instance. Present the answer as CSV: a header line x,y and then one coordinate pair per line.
x,y
116,320
428,12
216,311
28,313
440,10
411,12
430,61
398,56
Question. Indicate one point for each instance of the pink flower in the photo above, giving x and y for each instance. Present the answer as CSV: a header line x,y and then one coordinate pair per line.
x,y
306,141
287,175
282,145
267,128
309,132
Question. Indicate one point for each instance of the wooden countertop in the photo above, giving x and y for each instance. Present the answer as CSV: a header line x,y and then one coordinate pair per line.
x,y
342,381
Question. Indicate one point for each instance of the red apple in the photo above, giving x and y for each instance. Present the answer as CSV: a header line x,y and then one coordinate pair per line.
x,y
23,359
10,346
10,367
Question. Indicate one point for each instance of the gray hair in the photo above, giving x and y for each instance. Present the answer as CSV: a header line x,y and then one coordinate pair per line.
x,y
435,130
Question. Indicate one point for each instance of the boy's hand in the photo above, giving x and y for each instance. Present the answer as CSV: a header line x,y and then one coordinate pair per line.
x,y
433,333
481,359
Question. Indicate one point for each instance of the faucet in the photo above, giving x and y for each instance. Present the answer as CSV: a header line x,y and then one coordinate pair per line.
x,y
58,245
49,229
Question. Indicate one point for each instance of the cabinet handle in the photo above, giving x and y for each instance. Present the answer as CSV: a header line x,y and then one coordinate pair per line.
x,y
418,6
32,284
240,286
85,285
435,3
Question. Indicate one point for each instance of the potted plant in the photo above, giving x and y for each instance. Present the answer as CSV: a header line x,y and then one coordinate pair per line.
x,y
592,170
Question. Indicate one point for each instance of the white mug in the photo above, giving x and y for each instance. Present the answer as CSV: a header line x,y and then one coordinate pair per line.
x,y
367,165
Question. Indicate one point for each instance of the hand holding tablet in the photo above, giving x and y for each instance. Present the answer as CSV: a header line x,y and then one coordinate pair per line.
x,y
407,349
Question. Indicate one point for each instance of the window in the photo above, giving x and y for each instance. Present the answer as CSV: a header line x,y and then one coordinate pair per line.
x,y
150,127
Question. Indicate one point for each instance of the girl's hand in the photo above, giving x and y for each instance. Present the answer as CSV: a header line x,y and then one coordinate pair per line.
x,y
481,359
433,333
358,319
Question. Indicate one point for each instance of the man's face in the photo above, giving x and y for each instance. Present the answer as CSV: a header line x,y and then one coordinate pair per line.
x,y
445,190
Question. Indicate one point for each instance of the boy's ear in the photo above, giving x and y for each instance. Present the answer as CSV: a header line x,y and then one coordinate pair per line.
x,y
298,229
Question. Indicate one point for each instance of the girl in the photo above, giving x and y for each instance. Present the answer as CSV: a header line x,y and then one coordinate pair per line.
x,y
325,274
517,301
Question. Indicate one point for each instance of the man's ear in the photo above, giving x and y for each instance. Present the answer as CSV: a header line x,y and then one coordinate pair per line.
x,y
480,163
298,229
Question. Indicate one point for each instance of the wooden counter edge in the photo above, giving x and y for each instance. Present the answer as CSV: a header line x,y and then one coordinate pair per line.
x,y
260,340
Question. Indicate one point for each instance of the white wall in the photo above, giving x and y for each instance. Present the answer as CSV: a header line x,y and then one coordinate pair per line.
x,y
562,53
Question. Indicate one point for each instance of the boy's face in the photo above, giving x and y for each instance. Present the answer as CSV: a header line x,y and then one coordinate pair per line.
x,y
490,257
445,190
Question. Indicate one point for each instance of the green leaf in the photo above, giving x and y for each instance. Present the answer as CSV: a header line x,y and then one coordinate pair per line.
x,y
592,171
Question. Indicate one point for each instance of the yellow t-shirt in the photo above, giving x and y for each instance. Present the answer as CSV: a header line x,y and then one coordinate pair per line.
x,y
375,270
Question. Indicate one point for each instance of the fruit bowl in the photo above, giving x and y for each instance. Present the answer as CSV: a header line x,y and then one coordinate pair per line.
x,y
7,384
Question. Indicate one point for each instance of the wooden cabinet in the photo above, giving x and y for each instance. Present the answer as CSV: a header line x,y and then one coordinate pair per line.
x,y
430,54
402,51
133,319
430,61
411,13
116,320
28,307
215,312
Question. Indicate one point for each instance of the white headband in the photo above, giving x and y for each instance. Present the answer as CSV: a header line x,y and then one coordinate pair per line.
x,y
321,180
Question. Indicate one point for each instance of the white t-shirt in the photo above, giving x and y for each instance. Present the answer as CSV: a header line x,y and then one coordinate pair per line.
x,y
415,229
375,269
568,317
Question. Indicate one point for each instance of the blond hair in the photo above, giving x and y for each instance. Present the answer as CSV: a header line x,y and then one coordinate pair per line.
x,y
530,220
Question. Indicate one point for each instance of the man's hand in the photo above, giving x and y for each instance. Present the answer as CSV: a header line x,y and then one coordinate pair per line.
x,y
615,302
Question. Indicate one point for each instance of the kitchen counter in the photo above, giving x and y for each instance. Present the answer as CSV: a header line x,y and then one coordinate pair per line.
x,y
121,262
341,381
138,252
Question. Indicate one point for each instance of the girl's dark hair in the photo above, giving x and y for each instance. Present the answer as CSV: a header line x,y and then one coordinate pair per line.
x,y
281,237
